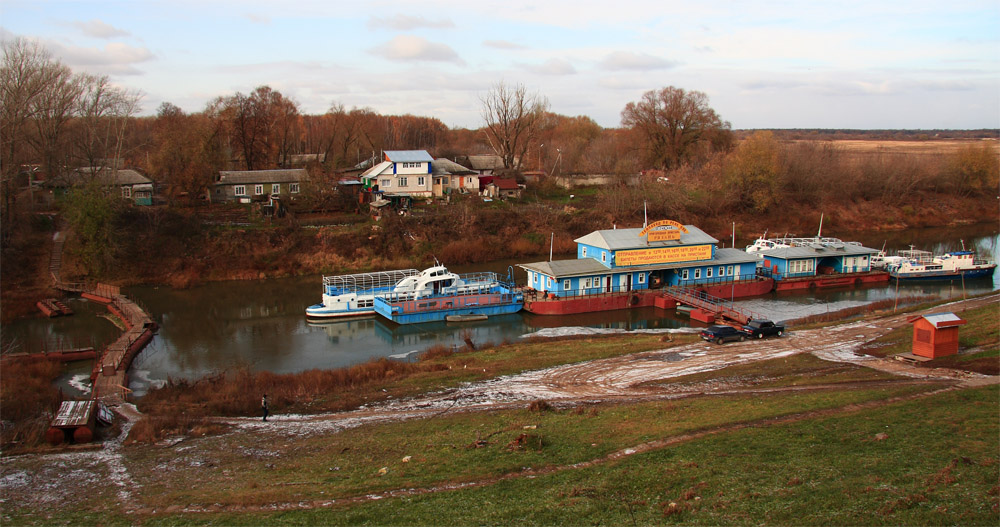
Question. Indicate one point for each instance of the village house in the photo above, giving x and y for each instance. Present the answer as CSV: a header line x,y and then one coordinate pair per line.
x,y
450,177
401,173
245,186
502,188
133,186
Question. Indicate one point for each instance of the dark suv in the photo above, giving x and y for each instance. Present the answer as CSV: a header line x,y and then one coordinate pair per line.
x,y
763,328
720,334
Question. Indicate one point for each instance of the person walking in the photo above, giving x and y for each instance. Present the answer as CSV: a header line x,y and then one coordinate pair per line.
x,y
263,406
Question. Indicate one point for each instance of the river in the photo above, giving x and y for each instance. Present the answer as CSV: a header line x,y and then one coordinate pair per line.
x,y
260,324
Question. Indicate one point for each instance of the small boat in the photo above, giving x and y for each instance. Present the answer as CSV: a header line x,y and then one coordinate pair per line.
x,y
465,318
436,293
354,294
923,265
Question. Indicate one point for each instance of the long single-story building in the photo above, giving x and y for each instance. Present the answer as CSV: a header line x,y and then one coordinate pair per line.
x,y
245,186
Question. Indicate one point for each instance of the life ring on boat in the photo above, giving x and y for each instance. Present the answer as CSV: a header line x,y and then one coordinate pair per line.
x,y
634,300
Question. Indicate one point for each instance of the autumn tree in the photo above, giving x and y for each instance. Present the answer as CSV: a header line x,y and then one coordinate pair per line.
x,y
675,126
512,117
186,154
753,172
103,113
975,169
261,125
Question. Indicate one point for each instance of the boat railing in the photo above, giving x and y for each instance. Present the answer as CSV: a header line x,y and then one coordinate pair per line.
x,y
352,283
404,305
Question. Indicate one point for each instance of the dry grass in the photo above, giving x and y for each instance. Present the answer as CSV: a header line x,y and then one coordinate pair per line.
x,y
935,147
28,399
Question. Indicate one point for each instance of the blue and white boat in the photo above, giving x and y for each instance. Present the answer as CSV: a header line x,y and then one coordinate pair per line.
x,y
923,265
354,294
437,294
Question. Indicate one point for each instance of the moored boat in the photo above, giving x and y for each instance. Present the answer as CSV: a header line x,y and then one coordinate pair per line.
x,y
354,294
923,265
436,294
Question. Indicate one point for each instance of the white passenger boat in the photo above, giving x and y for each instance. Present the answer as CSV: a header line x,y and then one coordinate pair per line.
x,y
923,265
354,294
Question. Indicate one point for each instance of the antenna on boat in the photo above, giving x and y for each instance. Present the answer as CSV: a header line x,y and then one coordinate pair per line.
x,y
552,241
645,220
819,233
963,244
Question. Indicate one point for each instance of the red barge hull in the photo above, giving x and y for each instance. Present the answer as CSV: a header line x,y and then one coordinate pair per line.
x,y
541,305
825,281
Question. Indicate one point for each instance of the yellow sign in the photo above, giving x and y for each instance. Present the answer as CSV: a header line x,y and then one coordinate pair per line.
x,y
663,223
664,235
663,255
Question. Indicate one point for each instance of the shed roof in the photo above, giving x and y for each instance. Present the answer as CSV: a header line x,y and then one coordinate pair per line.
x,y
617,239
567,268
505,184
940,320
408,156
242,177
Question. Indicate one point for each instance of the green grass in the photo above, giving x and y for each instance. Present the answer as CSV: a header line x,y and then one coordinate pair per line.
x,y
934,467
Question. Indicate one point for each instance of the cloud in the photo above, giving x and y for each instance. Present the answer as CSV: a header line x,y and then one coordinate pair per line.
x,y
409,47
502,44
407,22
115,58
627,60
98,29
257,19
551,67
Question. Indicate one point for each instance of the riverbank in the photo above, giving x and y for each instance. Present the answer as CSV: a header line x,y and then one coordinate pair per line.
x,y
677,432
174,248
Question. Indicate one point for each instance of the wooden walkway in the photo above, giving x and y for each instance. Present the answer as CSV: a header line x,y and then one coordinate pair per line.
x,y
110,373
717,306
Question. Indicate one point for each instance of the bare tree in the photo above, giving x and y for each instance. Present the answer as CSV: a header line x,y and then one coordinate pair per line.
x,y
675,125
513,119
104,111
261,125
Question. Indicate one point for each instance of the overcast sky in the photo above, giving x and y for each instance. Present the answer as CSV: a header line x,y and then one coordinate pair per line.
x,y
763,64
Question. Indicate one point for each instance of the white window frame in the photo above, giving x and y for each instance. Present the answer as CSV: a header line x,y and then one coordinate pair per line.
x,y
697,273
275,188
708,272
240,190
567,284
127,192
402,182
604,256
385,183
586,283
729,270
258,189
293,188
684,274
722,271
421,181
642,278
583,253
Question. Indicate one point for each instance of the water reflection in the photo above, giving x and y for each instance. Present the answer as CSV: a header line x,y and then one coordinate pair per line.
x,y
260,324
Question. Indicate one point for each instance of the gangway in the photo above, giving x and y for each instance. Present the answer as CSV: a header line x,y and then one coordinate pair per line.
x,y
715,305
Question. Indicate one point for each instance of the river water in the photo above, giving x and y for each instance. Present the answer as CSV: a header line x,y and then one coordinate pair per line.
x,y
261,324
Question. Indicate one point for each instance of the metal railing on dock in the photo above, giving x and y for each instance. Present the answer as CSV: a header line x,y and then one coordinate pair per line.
x,y
706,302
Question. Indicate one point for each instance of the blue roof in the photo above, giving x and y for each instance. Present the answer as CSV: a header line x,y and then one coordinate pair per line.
x,y
408,156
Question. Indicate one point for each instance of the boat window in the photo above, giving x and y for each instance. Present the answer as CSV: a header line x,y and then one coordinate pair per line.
x,y
708,272
642,278
697,273
566,284
684,274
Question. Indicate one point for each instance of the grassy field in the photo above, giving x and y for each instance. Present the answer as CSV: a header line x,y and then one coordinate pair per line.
x,y
946,146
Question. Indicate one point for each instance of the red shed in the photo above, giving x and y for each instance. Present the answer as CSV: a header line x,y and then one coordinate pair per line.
x,y
935,335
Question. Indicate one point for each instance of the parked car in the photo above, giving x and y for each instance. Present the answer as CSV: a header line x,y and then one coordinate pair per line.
x,y
720,334
759,329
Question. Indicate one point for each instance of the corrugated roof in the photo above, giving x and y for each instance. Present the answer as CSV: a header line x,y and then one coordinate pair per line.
x,y
786,253
485,162
943,320
564,268
443,167
408,156
243,177
376,170
505,184
105,176
618,239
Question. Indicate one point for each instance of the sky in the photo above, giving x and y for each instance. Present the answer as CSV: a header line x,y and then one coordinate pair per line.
x,y
870,64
